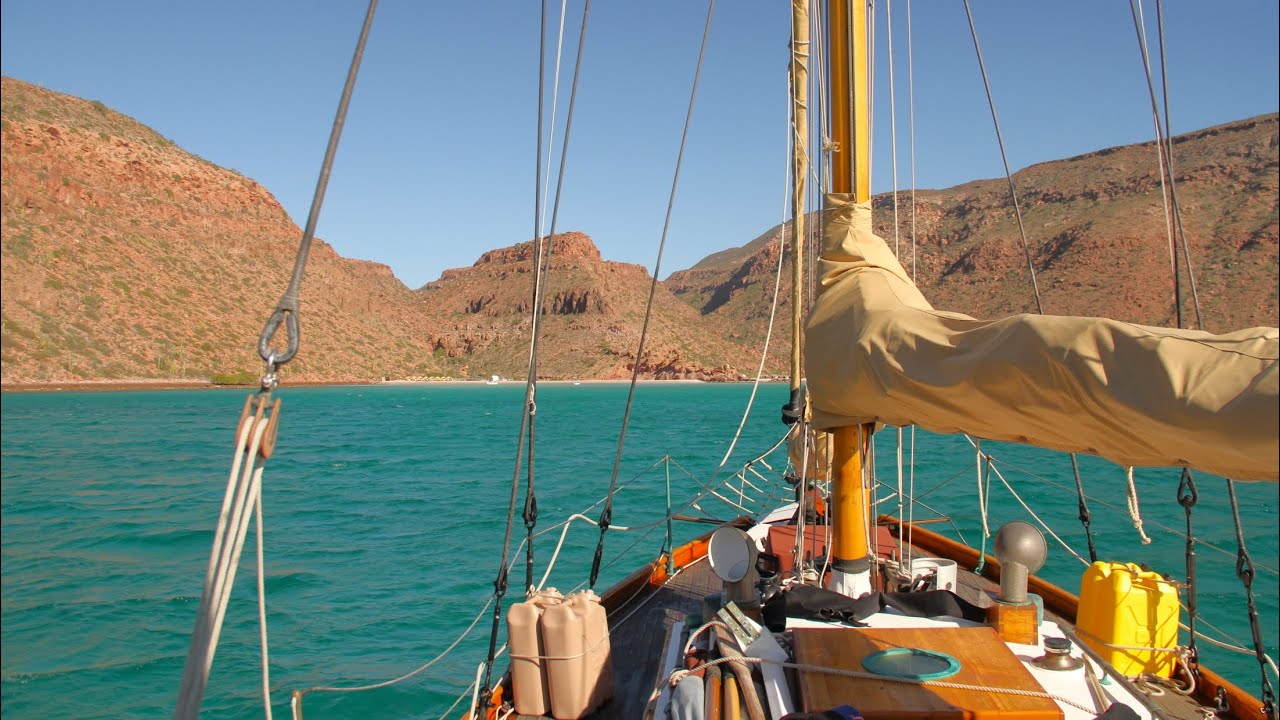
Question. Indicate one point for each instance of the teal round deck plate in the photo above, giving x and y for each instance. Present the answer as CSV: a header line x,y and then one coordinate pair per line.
x,y
912,663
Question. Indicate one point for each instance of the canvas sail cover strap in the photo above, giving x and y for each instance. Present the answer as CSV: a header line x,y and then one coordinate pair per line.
x,y
877,351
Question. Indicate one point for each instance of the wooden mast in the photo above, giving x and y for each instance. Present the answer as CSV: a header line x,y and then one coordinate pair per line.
x,y
850,173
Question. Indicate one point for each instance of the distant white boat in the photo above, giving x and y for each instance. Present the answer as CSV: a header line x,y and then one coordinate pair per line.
x,y
493,380
577,382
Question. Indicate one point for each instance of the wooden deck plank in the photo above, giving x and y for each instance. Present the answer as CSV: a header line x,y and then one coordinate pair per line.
x,y
638,637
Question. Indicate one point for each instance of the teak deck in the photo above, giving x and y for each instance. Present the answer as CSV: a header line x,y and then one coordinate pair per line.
x,y
985,661
639,638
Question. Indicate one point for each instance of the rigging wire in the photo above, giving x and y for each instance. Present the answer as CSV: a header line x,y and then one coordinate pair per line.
x,y
893,137
1244,570
607,513
542,275
541,270
555,99
1004,157
911,142
1164,150
501,581
287,308
220,574
1188,496
773,308
1139,27
1118,509
1173,181
1082,507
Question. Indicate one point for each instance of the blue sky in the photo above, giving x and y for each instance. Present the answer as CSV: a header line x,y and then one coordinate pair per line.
x,y
437,161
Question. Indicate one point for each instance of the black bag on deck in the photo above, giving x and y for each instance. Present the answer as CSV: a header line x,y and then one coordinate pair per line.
x,y
815,603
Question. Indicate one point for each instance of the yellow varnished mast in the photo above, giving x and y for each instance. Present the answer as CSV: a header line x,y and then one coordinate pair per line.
x,y
850,173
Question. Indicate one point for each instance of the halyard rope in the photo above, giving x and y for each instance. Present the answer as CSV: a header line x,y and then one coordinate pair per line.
x,y
243,486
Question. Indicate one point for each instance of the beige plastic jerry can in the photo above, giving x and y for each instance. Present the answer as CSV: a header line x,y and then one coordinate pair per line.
x,y
578,658
527,646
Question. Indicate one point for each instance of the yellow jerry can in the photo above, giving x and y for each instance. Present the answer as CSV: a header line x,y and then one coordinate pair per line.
x,y
1130,617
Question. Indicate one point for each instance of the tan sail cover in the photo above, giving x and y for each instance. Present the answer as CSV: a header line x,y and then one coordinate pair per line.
x,y
877,351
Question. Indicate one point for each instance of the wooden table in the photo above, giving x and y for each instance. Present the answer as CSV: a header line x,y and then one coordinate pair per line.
x,y
984,661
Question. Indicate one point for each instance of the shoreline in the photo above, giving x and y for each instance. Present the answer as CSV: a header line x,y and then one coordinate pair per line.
x,y
136,385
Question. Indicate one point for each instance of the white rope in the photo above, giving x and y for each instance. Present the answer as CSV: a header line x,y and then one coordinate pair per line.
x,y
412,673
1150,648
680,674
1034,516
475,691
652,595
982,500
1165,528
262,613
211,572
564,530
574,656
797,550
694,635
773,308
1131,495
1237,648
243,487
443,715
901,536
750,484
551,136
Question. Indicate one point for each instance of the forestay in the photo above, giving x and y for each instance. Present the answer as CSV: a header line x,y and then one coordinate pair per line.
x,y
877,351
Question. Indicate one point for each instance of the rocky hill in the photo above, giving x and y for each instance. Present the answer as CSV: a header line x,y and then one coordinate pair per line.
x,y
126,258
1096,227
594,312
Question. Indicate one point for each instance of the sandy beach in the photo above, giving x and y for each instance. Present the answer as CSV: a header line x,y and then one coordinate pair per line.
x,y
133,385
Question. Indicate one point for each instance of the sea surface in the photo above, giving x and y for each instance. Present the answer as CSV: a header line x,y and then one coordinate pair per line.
x,y
384,514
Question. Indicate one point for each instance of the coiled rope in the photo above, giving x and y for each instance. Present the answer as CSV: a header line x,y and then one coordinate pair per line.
x,y
1135,514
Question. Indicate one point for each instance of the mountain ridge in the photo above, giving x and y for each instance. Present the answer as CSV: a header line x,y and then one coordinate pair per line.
x,y
126,258
1106,200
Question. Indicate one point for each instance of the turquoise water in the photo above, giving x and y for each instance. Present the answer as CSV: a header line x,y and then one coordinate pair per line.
x,y
384,510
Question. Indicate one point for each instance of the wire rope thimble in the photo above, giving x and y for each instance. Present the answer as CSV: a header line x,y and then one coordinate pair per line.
x,y
1188,495
288,316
